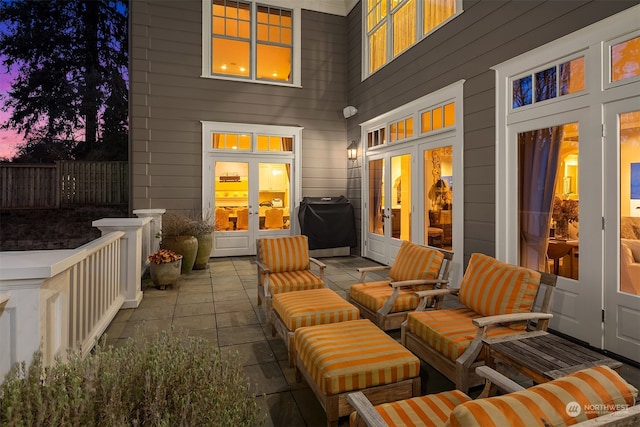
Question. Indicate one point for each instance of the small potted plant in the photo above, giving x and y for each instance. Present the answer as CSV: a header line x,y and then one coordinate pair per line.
x,y
165,266
202,229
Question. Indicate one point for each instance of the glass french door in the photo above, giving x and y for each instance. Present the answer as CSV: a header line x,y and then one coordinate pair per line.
x,y
389,204
622,229
250,199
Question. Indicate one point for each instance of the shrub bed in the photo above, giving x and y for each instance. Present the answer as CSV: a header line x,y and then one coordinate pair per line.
x,y
167,380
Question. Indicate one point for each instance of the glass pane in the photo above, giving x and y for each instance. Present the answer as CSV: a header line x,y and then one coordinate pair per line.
x,y
625,60
426,121
273,198
438,197
376,196
401,197
231,195
630,202
437,118
404,27
230,57
409,127
549,199
546,84
393,132
273,62
378,48
522,92
450,114
436,12
401,134
572,76
275,143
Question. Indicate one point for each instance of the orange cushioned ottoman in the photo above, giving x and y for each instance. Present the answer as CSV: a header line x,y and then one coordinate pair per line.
x,y
292,310
338,358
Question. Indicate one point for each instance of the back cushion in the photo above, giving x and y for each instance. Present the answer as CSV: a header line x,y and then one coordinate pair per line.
x,y
568,400
491,287
280,254
415,262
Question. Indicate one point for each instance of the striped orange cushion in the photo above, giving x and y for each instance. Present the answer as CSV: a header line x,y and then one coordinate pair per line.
x,y
374,295
568,400
432,410
491,287
415,262
299,280
280,254
449,331
338,360
313,307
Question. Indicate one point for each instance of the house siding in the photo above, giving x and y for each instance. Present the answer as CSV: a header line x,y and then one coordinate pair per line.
x,y
169,99
485,34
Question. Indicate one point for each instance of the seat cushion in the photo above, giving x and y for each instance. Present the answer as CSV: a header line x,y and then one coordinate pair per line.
x,y
450,332
374,295
432,410
279,254
574,398
415,262
313,307
298,280
338,361
491,287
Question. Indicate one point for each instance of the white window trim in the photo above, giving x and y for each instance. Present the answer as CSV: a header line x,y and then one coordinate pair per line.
x,y
297,42
591,40
389,20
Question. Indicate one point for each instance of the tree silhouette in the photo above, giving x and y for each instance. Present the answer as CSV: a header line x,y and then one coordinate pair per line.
x,y
69,60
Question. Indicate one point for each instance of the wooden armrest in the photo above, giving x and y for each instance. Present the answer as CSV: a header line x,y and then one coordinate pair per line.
x,y
4,298
262,266
365,409
318,263
436,293
481,322
417,282
374,268
503,383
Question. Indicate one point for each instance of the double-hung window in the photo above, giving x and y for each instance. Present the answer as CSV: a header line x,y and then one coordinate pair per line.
x,y
393,26
251,41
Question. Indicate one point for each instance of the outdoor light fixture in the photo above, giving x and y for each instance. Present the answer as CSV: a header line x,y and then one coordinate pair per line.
x,y
352,151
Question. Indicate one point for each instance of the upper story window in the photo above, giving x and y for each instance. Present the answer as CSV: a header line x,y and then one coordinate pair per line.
x,y
392,26
250,41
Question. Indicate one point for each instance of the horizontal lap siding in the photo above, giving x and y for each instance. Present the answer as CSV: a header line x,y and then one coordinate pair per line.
x,y
485,34
169,99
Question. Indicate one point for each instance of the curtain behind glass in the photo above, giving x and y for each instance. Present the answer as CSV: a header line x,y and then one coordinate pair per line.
x,y
538,164
437,11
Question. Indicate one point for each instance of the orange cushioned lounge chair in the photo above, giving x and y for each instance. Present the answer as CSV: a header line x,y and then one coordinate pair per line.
x,y
284,265
595,396
415,268
497,298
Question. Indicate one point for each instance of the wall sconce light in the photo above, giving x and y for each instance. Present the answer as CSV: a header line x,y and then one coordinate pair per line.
x,y
352,151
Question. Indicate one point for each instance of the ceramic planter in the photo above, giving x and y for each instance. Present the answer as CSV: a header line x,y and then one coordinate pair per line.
x,y
205,243
187,246
166,273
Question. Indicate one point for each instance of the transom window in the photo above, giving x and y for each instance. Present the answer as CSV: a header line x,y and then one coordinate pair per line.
x,y
247,142
393,26
252,41
548,83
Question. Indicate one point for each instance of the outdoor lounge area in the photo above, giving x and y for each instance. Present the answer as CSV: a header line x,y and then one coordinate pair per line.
x,y
220,305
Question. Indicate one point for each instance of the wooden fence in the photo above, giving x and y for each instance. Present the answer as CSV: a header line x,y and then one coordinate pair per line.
x,y
67,183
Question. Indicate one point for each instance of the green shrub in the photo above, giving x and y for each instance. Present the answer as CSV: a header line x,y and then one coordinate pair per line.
x,y
164,381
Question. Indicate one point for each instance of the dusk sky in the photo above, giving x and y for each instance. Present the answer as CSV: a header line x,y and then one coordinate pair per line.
x,y
8,139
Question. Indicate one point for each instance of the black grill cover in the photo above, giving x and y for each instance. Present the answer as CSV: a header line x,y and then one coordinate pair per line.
x,y
328,222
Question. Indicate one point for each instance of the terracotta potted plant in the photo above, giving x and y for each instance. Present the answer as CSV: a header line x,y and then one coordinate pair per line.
x,y
178,235
164,267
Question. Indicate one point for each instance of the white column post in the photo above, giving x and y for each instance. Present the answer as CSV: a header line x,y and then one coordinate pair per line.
x,y
131,256
156,226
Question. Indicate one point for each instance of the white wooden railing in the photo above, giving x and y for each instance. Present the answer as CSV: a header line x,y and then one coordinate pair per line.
x,y
57,300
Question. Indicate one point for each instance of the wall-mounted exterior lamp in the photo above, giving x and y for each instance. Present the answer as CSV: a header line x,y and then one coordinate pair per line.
x,y
352,151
